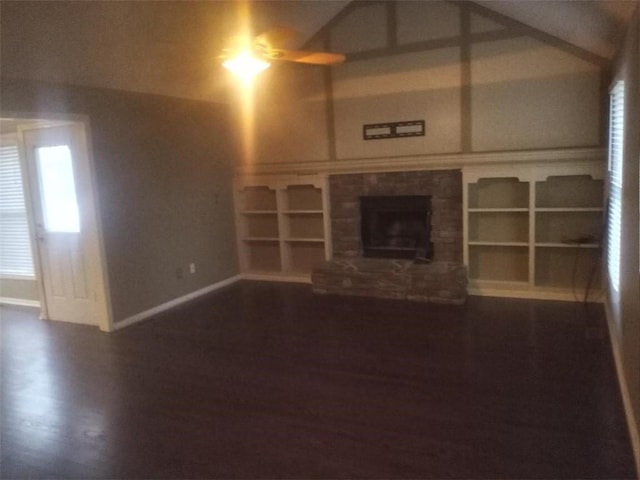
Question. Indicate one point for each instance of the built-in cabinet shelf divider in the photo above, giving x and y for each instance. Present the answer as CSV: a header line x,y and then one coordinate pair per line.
x,y
534,232
283,226
530,230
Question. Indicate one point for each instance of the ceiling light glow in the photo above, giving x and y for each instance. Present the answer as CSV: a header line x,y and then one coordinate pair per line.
x,y
246,66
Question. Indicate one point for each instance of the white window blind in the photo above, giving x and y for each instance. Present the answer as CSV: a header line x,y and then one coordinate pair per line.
x,y
15,247
616,136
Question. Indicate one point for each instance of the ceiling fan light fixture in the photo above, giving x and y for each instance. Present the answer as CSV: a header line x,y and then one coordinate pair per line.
x,y
246,65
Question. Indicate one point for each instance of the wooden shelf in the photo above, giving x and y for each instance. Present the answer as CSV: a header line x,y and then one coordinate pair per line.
x,y
503,226
310,240
281,226
570,209
497,210
499,193
261,239
303,212
499,244
568,245
569,191
518,232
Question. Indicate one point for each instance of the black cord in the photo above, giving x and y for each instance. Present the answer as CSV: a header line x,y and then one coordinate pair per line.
x,y
574,272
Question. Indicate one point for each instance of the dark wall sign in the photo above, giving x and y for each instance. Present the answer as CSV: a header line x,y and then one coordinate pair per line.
x,y
377,131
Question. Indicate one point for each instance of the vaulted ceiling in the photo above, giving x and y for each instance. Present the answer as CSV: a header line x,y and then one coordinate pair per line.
x,y
171,47
595,25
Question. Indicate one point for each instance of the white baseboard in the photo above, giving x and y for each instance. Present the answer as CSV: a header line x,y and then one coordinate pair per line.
x,y
531,294
277,277
19,302
174,303
624,388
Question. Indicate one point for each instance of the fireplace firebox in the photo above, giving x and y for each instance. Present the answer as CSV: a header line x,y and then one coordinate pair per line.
x,y
396,227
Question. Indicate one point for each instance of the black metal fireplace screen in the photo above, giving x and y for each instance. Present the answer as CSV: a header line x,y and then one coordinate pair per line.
x,y
396,227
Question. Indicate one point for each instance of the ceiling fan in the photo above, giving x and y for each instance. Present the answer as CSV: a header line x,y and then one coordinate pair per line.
x,y
247,56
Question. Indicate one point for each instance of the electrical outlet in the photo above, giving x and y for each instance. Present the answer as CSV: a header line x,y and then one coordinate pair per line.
x,y
179,273
192,268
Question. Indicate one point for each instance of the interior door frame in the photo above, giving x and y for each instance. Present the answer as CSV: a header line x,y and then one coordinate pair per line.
x,y
92,238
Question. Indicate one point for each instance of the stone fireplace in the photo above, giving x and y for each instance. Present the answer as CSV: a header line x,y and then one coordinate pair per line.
x,y
413,265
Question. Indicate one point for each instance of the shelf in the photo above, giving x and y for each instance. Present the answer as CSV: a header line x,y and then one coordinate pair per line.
x,y
508,263
261,226
499,227
303,197
567,226
310,240
303,256
499,193
535,239
263,256
562,268
261,239
570,209
303,212
259,199
570,191
567,245
281,225
497,210
304,226
502,284
498,244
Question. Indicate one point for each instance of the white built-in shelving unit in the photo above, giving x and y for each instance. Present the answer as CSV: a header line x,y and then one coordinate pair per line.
x,y
283,226
532,222
534,231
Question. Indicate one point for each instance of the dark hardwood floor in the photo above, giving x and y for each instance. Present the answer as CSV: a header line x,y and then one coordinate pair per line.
x,y
269,381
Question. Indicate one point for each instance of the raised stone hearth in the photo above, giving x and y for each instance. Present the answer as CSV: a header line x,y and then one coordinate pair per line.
x,y
439,282
443,280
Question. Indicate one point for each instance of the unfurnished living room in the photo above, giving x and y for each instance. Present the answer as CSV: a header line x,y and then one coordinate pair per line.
x,y
320,239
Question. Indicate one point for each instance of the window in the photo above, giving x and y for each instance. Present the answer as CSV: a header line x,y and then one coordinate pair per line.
x,y
15,246
616,136
57,188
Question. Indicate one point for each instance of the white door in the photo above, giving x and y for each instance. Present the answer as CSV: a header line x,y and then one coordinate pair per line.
x,y
52,155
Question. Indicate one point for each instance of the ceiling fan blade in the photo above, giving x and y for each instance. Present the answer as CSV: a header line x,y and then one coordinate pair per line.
x,y
277,37
303,56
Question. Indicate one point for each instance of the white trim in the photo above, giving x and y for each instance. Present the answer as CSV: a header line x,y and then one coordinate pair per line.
x,y
523,289
19,302
422,162
277,277
528,294
174,303
15,276
102,289
624,388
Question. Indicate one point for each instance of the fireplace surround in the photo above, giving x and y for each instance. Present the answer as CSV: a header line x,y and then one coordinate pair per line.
x,y
396,226
353,272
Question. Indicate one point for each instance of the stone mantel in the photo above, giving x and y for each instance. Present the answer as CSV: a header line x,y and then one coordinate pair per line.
x,y
443,186
444,280
436,282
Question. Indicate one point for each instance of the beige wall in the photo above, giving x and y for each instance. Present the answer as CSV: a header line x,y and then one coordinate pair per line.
x,y
165,48
626,306
290,119
163,170
476,92
412,86
528,95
